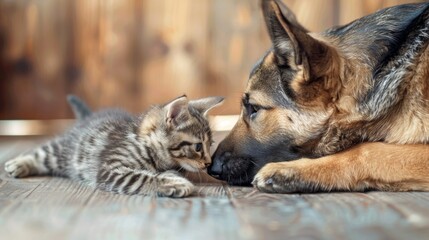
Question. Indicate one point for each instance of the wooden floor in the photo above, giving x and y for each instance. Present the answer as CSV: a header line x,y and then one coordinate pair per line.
x,y
56,208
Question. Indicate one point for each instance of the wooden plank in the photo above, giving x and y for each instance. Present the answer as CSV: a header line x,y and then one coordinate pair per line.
x,y
35,220
208,215
19,189
45,211
327,216
215,218
414,206
357,216
61,191
276,215
48,217
5,205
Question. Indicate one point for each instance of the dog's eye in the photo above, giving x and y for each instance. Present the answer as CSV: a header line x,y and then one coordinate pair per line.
x,y
252,110
198,147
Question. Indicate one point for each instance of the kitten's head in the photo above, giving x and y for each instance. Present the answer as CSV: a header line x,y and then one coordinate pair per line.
x,y
182,130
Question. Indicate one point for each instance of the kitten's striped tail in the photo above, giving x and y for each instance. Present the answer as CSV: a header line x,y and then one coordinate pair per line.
x,y
79,107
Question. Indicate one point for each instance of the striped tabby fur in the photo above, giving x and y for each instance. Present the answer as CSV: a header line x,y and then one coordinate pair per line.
x,y
118,152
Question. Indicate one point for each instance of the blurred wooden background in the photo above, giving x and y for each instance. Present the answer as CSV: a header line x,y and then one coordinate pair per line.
x,y
134,53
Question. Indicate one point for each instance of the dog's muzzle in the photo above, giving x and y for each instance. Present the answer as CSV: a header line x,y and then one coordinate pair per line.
x,y
219,160
234,170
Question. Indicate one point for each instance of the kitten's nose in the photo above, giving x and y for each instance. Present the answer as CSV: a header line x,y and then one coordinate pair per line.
x,y
218,160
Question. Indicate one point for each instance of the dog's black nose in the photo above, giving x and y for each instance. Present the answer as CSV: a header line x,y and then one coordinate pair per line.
x,y
217,165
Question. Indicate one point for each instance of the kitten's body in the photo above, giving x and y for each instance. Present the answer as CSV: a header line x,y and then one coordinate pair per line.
x,y
116,151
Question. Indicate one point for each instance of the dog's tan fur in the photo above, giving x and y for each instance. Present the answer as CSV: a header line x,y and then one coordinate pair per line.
x,y
378,166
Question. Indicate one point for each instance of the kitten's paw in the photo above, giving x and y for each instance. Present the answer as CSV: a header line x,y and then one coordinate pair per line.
x,y
176,191
17,167
174,186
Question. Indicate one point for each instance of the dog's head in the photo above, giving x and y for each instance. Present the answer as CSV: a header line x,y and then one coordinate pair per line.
x,y
287,103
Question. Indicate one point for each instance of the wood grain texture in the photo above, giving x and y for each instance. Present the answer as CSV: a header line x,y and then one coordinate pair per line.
x,y
277,216
356,216
57,208
333,215
135,53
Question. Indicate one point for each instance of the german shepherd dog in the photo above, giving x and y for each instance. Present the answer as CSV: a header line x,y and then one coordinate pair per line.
x,y
350,105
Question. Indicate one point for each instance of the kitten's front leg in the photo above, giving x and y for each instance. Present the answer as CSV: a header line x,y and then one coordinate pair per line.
x,y
128,181
172,184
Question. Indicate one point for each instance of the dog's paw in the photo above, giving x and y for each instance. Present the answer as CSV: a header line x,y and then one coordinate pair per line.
x,y
17,167
282,178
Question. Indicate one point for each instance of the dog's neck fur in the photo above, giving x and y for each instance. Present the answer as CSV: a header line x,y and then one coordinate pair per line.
x,y
388,68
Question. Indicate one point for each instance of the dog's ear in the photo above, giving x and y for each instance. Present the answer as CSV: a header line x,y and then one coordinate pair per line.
x,y
283,27
293,46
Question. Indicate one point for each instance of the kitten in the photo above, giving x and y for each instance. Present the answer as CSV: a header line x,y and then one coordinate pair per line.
x,y
118,152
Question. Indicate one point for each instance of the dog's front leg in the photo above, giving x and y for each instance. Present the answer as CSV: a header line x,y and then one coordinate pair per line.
x,y
368,166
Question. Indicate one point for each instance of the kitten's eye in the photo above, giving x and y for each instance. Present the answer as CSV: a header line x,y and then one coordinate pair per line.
x,y
198,147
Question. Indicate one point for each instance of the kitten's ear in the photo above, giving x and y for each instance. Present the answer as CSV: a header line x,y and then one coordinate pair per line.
x,y
204,105
176,109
